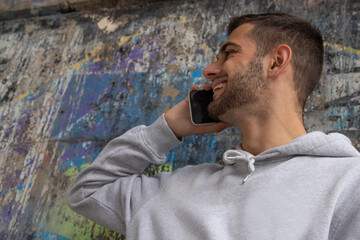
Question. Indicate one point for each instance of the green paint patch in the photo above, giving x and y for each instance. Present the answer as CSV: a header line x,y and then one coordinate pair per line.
x,y
84,166
72,173
154,169
61,220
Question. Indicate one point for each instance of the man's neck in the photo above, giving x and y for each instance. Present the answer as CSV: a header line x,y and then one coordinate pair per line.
x,y
271,129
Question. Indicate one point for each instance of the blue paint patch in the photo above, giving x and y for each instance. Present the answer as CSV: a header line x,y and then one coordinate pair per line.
x,y
348,115
196,77
85,65
73,163
212,143
170,157
20,150
3,192
28,97
197,73
106,100
50,236
342,118
78,162
335,119
21,186
222,36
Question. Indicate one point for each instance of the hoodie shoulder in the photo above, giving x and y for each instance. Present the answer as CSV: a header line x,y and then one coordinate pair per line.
x,y
331,145
317,144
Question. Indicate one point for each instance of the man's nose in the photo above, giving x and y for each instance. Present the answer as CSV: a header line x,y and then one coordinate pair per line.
x,y
212,70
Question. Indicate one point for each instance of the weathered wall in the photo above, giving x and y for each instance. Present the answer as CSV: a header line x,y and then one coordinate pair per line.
x,y
15,9
69,83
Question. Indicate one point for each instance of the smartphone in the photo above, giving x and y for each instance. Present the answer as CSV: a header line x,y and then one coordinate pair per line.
x,y
199,101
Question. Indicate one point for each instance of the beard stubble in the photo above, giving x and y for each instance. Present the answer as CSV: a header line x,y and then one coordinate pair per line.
x,y
242,89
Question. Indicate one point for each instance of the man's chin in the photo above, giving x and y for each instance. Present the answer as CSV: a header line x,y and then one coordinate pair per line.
x,y
214,111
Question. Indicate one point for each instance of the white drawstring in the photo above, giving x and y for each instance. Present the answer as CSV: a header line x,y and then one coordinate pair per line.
x,y
234,156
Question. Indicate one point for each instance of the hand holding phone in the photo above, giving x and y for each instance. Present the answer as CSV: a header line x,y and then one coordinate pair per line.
x,y
198,103
179,120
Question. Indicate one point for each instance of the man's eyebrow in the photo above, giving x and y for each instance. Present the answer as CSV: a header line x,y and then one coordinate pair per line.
x,y
223,47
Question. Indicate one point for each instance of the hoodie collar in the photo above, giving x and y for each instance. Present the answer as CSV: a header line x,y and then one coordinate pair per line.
x,y
316,144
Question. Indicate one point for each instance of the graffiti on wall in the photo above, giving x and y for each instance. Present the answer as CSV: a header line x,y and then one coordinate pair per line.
x,y
70,83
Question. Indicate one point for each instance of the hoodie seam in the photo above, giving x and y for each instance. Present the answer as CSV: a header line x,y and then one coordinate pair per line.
x,y
148,146
109,208
323,146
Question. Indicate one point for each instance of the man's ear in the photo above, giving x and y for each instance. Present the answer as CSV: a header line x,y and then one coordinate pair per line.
x,y
279,60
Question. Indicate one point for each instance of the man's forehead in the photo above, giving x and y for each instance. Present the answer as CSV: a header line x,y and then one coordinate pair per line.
x,y
238,38
243,29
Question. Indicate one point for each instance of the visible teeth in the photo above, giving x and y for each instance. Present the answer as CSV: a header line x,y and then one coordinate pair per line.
x,y
221,85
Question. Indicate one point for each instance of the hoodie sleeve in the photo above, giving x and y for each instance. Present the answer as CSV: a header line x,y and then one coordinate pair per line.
x,y
112,188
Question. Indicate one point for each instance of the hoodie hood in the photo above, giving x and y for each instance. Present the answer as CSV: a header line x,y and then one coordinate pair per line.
x,y
316,144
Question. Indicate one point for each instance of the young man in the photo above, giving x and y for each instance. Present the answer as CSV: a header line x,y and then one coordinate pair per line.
x,y
281,183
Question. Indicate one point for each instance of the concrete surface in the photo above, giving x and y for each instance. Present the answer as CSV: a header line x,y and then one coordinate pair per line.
x,y
71,82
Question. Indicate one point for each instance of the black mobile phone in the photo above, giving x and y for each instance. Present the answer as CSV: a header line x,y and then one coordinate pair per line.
x,y
198,101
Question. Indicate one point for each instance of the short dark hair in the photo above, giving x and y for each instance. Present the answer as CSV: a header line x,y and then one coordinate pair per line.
x,y
306,42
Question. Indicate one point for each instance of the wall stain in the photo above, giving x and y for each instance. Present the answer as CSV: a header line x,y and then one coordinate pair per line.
x,y
68,86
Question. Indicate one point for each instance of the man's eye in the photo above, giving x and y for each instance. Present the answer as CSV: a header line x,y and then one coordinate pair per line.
x,y
228,52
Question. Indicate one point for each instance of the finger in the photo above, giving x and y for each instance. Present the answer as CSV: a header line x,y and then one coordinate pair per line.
x,y
195,87
207,86
216,127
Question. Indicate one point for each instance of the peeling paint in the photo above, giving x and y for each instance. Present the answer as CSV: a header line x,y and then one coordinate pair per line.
x,y
70,83
107,26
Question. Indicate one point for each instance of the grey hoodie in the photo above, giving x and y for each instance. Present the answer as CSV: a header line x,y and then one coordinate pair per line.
x,y
308,189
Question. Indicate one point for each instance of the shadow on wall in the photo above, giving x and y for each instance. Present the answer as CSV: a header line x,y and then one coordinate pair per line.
x,y
10,9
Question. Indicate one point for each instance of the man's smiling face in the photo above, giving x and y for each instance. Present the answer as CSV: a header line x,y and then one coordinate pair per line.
x,y
237,74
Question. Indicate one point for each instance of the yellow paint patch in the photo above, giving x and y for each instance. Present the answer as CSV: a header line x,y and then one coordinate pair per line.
x,y
183,20
22,96
125,39
94,56
204,48
343,48
106,25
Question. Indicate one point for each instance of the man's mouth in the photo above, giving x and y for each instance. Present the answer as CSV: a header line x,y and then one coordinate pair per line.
x,y
219,86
